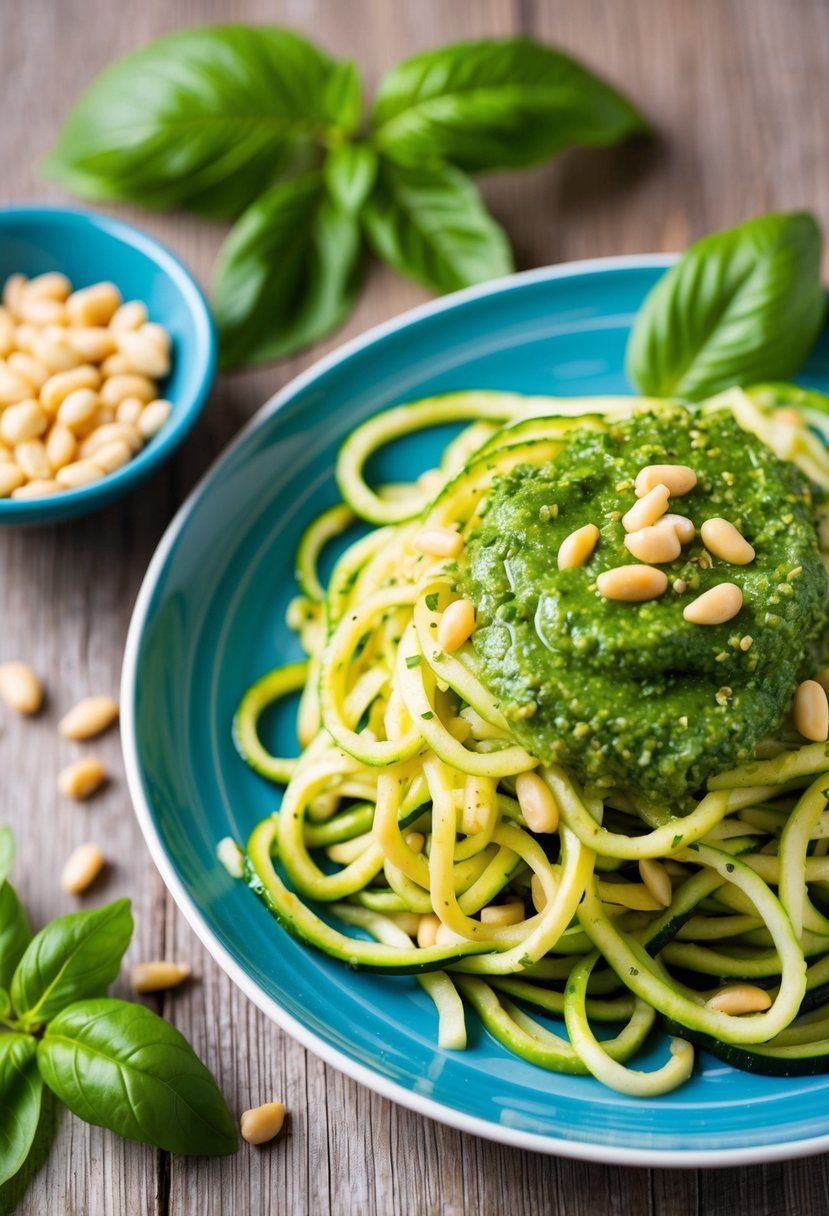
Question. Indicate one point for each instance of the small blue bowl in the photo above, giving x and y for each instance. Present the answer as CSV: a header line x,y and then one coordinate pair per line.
x,y
88,248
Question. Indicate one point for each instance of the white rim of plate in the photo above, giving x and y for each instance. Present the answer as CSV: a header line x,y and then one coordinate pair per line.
x,y
575,1149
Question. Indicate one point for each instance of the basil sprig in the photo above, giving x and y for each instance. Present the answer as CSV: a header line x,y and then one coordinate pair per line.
x,y
258,123
741,306
113,1063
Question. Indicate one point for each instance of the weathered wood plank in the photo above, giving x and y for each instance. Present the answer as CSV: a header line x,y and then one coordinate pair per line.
x,y
738,91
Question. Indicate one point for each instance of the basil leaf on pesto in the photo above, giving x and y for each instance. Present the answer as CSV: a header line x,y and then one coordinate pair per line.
x,y
740,306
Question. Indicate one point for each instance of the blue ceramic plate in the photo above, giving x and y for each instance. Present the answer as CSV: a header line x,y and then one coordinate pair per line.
x,y
210,619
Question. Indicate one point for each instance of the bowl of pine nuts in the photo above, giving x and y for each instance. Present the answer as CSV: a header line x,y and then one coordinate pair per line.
x,y
107,355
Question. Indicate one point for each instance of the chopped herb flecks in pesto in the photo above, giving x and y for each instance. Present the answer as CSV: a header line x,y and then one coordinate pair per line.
x,y
631,694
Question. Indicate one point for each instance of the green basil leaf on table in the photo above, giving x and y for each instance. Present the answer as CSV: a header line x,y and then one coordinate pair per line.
x,y
430,224
204,119
20,1093
119,1065
75,956
740,306
350,172
15,933
287,274
7,851
497,105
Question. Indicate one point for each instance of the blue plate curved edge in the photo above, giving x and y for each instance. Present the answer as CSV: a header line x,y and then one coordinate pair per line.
x,y
206,622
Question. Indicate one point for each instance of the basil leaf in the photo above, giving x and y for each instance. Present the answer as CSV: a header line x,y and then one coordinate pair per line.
x,y
204,119
20,1093
7,852
15,933
120,1066
496,105
287,274
740,306
350,172
75,956
431,225
5,1003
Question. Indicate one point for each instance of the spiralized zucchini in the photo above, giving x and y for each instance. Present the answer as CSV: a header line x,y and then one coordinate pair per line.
x,y
400,814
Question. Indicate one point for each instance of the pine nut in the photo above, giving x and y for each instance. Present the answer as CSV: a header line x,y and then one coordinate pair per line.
x,y
90,717
262,1123
416,841
683,527
40,487
129,316
438,542
788,417
58,387
49,286
448,937
739,998
34,311
20,688
60,446
6,332
93,306
456,625
11,478
130,410
575,549
539,895
29,368
654,544
511,913
811,711
112,456
13,293
657,879
679,479
116,388
648,509
93,345
115,365
82,868
81,779
13,388
103,416
55,356
153,417
427,930
109,433
143,355
26,420
716,606
724,540
32,458
231,857
157,334
153,977
538,806
78,474
632,584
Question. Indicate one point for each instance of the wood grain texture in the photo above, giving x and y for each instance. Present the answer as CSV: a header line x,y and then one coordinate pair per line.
x,y
738,91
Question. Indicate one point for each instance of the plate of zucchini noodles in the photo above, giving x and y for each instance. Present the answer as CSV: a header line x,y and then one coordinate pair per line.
x,y
475,715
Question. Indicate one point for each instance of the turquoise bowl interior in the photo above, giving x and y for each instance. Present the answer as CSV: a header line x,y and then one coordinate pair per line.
x,y
88,248
210,619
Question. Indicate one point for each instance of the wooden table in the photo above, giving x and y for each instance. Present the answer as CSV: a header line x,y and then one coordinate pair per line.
x,y
739,92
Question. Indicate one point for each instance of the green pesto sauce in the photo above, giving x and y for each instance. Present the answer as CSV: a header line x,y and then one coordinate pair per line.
x,y
632,695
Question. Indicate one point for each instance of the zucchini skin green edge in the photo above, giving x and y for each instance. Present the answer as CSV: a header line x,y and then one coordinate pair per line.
x,y
801,1060
357,954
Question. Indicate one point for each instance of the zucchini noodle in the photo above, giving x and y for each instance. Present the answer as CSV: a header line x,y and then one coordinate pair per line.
x,y
400,845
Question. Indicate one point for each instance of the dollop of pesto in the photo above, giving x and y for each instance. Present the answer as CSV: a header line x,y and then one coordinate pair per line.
x,y
631,695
